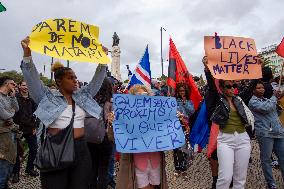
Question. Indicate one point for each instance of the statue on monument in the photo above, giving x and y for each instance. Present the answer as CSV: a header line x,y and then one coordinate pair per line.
x,y
115,54
115,39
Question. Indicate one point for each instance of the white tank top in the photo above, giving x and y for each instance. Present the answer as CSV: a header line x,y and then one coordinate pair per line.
x,y
64,119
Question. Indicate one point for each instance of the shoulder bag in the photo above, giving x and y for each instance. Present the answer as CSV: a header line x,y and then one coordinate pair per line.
x,y
57,151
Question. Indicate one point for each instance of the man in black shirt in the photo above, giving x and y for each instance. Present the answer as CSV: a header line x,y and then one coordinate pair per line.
x,y
27,122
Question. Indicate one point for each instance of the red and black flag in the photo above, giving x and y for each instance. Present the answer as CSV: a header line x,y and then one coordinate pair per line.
x,y
178,73
280,48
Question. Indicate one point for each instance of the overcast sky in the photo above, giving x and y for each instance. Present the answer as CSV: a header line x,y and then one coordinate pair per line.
x,y
138,22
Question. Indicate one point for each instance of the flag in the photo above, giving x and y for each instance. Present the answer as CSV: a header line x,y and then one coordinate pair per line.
x,y
2,8
178,73
142,73
200,131
280,49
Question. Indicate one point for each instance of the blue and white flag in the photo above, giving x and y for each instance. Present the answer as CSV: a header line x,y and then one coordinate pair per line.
x,y
142,73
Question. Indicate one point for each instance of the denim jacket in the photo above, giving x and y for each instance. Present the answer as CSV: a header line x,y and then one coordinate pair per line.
x,y
267,123
52,103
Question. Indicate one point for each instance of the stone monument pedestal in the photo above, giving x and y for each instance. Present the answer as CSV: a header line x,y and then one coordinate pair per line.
x,y
115,64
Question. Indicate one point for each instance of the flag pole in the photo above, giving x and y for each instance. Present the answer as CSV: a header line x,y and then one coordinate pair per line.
x,y
280,51
281,75
51,73
162,62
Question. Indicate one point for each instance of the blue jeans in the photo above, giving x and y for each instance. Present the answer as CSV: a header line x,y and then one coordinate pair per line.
x,y
267,145
111,166
6,169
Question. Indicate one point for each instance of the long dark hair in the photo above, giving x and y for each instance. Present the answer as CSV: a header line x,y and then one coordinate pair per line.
x,y
186,88
105,93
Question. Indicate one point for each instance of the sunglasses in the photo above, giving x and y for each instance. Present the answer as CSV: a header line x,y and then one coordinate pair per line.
x,y
14,84
229,86
143,93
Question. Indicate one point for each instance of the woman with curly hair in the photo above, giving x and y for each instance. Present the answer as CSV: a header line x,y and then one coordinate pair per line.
x,y
142,170
269,131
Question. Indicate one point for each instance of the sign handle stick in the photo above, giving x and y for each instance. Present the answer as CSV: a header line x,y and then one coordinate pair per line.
x,y
281,75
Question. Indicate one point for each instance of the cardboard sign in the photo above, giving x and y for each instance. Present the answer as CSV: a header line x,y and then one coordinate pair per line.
x,y
146,124
232,58
68,39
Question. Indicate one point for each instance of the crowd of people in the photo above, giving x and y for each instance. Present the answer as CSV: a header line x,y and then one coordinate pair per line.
x,y
243,110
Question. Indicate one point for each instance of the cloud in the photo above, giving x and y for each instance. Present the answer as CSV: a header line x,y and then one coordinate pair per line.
x,y
138,23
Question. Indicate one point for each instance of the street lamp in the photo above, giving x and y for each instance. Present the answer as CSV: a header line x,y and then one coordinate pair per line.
x,y
162,62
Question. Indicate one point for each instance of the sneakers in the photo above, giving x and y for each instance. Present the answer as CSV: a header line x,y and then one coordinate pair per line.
x,y
32,173
272,186
112,184
15,178
275,164
231,185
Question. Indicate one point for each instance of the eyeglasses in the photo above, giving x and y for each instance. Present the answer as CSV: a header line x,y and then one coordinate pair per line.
x,y
229,86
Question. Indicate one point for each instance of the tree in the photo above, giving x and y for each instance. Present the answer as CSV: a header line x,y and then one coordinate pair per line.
x,y
45,80
202,82
163,77
268,63
18,76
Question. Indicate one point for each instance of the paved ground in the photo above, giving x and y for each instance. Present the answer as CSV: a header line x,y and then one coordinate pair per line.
x,y
199,175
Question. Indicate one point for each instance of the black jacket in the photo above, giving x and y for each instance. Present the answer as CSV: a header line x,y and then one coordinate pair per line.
x,y
24,117
218,106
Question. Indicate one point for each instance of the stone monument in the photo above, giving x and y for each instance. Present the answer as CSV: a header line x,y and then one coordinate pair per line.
x,y
115,55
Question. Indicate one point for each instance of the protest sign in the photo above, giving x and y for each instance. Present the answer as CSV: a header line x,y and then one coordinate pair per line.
x,y
68,39
232,58
146,124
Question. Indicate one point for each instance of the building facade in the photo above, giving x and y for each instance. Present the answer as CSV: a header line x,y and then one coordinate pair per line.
x,y
276,61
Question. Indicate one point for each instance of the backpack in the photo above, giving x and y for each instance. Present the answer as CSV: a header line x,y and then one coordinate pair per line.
x,y
95,129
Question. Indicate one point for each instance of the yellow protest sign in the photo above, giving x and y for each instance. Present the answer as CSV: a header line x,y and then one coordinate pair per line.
x,y
68,39
232,58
